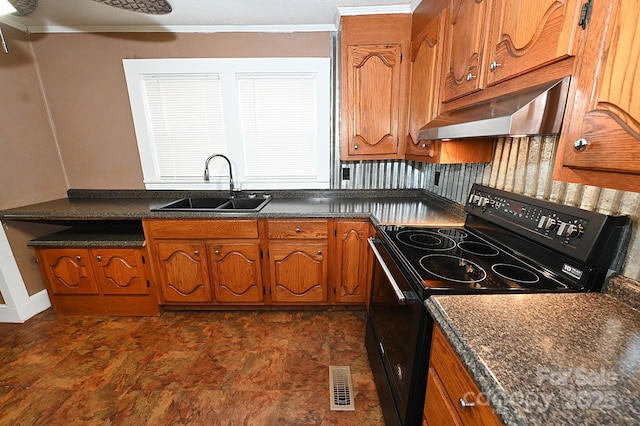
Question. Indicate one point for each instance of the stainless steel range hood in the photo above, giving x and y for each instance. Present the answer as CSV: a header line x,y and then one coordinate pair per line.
x,y
533,111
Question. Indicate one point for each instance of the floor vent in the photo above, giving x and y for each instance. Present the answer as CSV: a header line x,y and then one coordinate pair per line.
x,y
341,389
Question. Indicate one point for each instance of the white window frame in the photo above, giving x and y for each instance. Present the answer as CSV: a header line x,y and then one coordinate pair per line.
x,y
228,69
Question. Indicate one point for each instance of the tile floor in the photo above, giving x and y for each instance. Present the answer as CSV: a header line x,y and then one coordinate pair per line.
x,y
184,368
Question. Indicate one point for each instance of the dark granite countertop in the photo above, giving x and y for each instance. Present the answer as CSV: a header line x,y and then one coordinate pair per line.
x,y
548,359
406,207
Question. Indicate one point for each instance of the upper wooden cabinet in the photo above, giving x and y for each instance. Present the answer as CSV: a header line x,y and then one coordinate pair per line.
x,y
525,35
600,138
424,93
374,85
466,33
488,42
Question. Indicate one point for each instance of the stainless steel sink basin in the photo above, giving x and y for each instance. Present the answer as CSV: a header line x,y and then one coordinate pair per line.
x,y
189,204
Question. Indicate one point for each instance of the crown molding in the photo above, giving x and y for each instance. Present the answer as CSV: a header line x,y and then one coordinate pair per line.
x,y
172,28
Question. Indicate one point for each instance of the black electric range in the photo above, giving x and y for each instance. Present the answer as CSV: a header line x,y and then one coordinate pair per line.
x,y
509,244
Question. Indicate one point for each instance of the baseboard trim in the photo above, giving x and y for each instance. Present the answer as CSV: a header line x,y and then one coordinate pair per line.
x,y
37,303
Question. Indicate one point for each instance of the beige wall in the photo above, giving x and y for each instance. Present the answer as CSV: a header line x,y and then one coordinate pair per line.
x,y
30,167
84,83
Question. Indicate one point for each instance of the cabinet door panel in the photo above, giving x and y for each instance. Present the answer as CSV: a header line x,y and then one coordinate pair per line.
x,y
298,272
353,257
183,272
425,84
235,272
373,85
69,271
120,271
438,408
605,112
466,34
526,35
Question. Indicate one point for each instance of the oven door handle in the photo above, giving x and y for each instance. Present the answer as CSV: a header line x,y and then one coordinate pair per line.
x,y
402,299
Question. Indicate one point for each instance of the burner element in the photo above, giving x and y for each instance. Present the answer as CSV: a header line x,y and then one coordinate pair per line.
x,y
453,268
515,273
480,249
425,240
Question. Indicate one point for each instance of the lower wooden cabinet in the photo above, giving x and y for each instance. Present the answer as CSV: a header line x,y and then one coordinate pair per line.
x,y
298,261
182,273
352,262
206,262
452,397
98,281
252,262
235,272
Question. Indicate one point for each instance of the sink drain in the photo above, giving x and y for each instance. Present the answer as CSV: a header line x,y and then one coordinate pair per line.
x,y
341,388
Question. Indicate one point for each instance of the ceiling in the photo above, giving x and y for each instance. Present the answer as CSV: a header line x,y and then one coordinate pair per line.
x,y
202,15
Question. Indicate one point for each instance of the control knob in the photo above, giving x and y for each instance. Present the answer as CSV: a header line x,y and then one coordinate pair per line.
x,y
574,230
548,222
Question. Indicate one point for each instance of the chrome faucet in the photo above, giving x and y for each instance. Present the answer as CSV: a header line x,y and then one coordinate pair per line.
x,y
206,171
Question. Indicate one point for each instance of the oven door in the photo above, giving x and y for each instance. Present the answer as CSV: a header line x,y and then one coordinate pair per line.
x,y
395,341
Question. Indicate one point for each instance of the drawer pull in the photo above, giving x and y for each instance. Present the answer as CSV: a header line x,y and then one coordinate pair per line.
x,y
298,230
99,258
196,252
217,252
470,77
78,258
464,404
319,251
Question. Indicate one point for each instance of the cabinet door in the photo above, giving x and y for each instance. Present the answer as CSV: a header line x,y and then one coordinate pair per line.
x,y
600,140
438,408
298,272
352,262
120,271
529,34
235,272
458,384
68,271
183,272
424,95
372,88
466,37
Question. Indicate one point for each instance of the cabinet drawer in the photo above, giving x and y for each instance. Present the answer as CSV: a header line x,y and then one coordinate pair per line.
x,y
458,384
201,229
307,229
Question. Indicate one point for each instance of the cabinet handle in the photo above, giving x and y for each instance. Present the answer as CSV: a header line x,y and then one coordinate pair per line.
x,y
355,147
99,258
196,252
319,251
464,404
470,77
78,258
217,252
494,65
580,144
298,230
424,146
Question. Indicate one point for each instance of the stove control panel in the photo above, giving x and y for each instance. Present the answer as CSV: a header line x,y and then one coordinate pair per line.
x,y
535,217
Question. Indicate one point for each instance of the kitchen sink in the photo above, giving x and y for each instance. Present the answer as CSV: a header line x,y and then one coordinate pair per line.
x,y
189,204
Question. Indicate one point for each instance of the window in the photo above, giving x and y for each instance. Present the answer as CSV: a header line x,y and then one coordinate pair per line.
x,y
269,116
